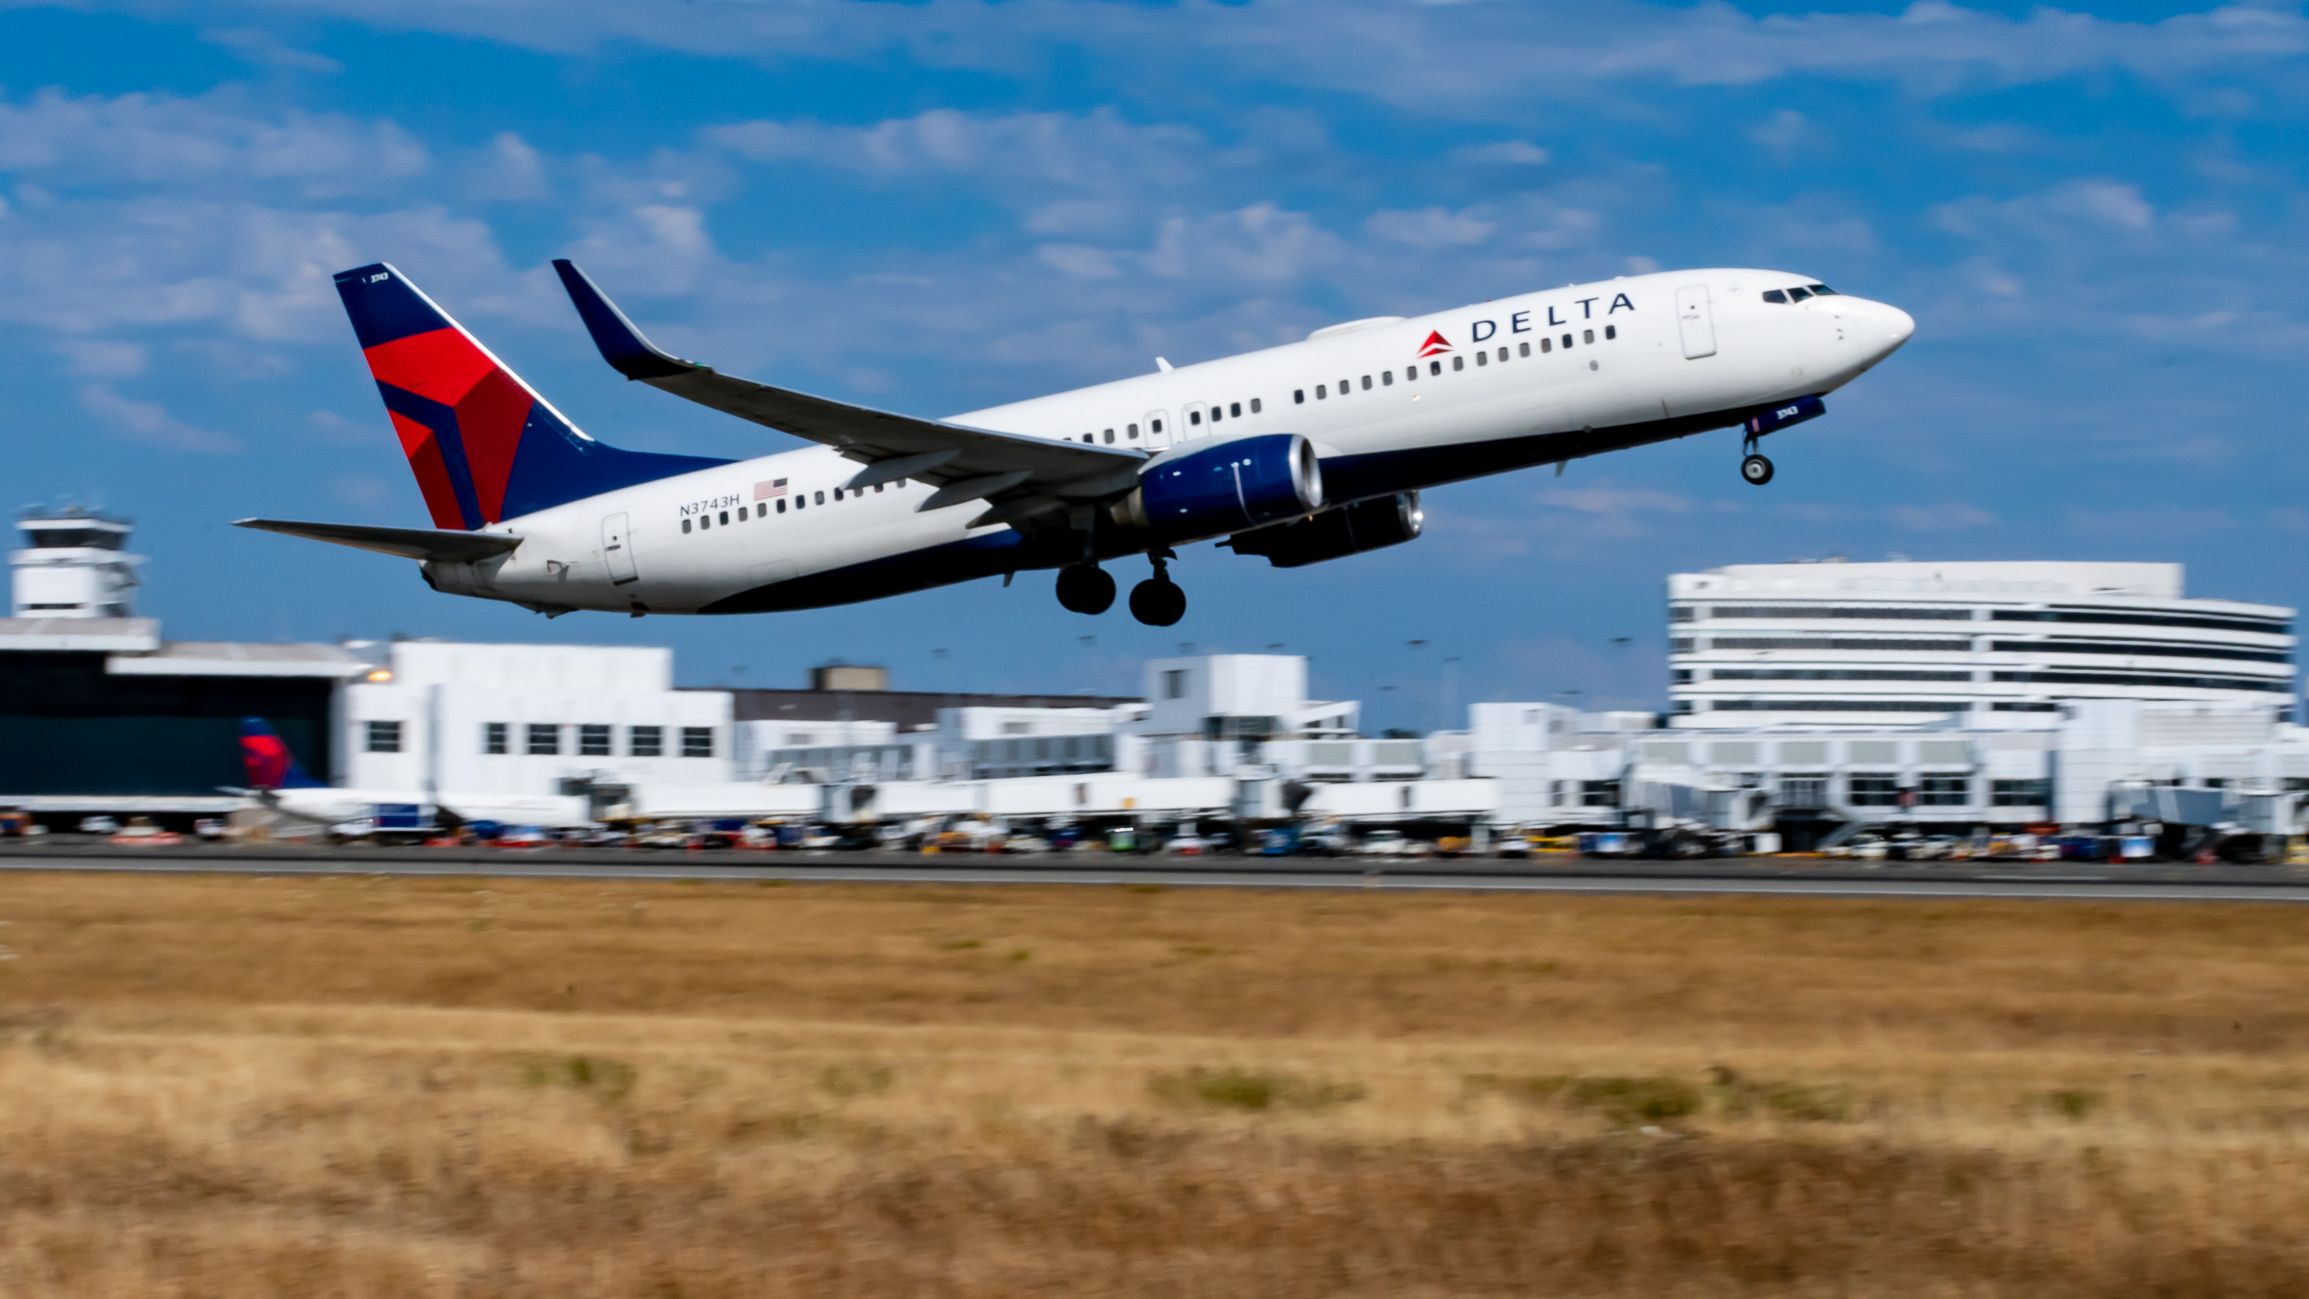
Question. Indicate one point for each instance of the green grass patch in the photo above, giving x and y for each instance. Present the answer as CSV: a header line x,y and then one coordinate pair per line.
x,y
1738,1097
849,1081
2074,1104
1245,1089
1622,1101
595,1075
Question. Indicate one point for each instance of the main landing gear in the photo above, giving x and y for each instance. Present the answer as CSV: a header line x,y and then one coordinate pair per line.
x,y
1085,588
1755,466
1157,602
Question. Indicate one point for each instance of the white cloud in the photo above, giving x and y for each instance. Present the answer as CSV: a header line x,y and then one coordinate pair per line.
x,y
268,51
1259,244
509,170
91,358
1508,153
1947,516
1430,228
150,423
218,138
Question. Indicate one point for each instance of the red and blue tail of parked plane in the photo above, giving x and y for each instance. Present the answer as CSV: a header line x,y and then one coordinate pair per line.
x,y
483,445
266,758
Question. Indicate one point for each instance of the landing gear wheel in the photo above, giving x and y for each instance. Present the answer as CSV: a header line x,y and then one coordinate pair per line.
x,y
1756,469
1085,588
1158,602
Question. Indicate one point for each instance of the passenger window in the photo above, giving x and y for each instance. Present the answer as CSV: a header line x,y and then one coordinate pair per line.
x,y
1344,387
1366,383
1235,409
1109,437
1386,378
1798,295
781,505
1567,340
1776,295
1298,396
725,519
1503,354
1434,368
1523,349
685,525
1157,426
1590,335
1458,363
705,521
1194,417
1133,430
837,494
1547,345
821,498
1410,372
801,500
879,486
1483,358
741,514
1254,405
1218,412
1611,332
1319,392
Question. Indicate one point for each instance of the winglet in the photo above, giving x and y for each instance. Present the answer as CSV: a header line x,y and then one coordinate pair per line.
x,y
621,344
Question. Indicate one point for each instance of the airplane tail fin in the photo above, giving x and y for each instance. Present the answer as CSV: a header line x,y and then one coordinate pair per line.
x,y
266,757
483,445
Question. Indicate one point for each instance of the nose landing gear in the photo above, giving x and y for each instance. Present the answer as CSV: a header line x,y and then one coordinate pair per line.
x,y
1158,601
1755,466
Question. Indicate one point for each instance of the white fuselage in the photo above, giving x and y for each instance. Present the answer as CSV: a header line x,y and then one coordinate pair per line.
x,y
327,806
1649,357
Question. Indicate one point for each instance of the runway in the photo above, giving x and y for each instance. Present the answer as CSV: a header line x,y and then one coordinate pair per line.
x,y
1773,877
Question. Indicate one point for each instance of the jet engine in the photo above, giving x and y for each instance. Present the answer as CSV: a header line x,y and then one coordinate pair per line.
x,y
1200,491
1335,533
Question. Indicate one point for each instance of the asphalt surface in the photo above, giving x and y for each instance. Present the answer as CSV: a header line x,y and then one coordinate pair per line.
x,y
1801,877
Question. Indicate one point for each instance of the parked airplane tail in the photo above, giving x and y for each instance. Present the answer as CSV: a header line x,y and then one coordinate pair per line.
x,y
483,445
266,757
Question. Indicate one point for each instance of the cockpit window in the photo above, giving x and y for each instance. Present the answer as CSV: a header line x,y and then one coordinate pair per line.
x,y
1822,291
1775,295
1798,295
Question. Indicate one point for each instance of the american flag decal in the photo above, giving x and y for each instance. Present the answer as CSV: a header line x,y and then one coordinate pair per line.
x,y
773,487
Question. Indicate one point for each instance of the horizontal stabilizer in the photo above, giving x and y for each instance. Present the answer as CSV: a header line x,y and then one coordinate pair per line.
x,y
408,543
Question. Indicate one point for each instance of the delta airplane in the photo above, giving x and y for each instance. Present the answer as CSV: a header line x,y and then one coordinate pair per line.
x,y
279,782
1297,454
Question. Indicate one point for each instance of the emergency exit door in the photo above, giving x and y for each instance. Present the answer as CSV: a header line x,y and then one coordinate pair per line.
x,y
617,550
1696,322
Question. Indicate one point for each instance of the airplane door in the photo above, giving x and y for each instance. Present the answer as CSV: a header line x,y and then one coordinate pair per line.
x,y
617,550
1158,433
1697,322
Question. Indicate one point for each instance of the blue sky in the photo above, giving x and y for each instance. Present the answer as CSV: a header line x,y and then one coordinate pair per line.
x,y
2095,214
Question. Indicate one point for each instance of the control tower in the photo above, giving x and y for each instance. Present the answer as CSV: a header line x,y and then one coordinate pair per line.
x,y
73,565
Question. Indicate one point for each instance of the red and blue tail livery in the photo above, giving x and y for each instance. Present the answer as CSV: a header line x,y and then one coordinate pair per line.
x,y
266,758
483,445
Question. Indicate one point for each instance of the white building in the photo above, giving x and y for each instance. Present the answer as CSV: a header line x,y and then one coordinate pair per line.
x,y
1980,645
528,719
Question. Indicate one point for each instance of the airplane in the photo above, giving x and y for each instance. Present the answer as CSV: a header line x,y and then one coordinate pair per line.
x,y
1297,454
279,782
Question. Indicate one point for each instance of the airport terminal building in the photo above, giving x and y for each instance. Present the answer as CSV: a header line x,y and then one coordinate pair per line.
x,y
1804,697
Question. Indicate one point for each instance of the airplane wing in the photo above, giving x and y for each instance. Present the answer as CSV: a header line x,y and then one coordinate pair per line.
x,y
1023,475
408,543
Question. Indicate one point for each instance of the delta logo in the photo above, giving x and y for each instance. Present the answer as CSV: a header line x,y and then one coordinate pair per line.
x,y
1436,344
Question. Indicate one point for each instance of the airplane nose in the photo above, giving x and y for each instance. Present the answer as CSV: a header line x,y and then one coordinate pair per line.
x,y
1899,324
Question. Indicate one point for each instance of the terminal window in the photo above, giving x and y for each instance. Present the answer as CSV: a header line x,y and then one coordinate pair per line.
x,y
1945,790
593,740
494,739
383,737
544,740
697,741
1874,789
2020,793
645,742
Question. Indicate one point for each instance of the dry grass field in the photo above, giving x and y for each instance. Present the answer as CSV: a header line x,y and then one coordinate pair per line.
x,y
367,1087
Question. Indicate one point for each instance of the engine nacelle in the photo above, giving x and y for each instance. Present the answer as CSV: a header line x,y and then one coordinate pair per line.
x,y
1335,533
1197,492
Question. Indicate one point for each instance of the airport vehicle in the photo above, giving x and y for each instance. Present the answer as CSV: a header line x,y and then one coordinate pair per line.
x,y
279,782
1297,454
